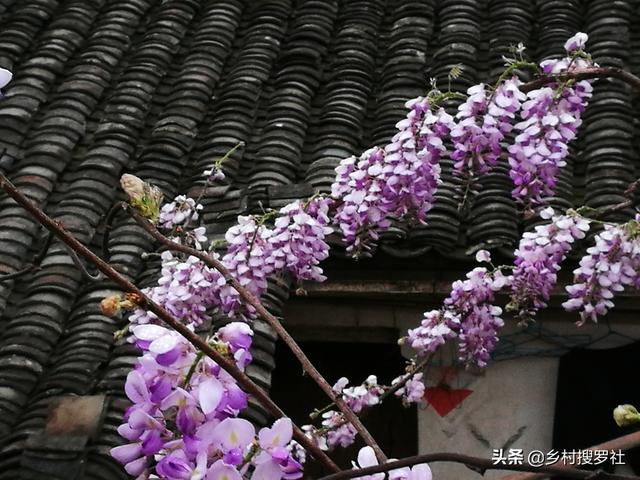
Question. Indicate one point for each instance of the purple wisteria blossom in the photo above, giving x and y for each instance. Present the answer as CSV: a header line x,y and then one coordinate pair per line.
x,y
338,433
186,288
183,422
538,259
577,42
468,315
436,328
276,460
398,181
200,407
413,389
176,213
610,266
550,119
249,260
483,121
298,240
214,174
365,395
296,245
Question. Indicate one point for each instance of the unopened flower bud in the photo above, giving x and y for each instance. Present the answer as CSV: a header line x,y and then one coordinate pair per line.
x,y
113,304
626,415
131,301
110,306
132,186
144,197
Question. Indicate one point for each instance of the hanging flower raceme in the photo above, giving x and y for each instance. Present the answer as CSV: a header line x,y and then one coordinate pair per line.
x,y
180,404
610,266
550,119
186,289
483,121
249,259
436,328
412,161
183,424
298,240
335,431
398,181
538,259
468,315
471,301
363,212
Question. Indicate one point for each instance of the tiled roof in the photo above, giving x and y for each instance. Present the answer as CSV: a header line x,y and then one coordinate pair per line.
x,y
161,88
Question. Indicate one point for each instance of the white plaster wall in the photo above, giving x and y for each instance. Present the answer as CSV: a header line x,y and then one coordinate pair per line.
x,y
512,406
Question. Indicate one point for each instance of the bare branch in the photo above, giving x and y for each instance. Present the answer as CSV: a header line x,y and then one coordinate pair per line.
x,y
480,465
145,302
108,225
625,442
85,272
33,265
585,74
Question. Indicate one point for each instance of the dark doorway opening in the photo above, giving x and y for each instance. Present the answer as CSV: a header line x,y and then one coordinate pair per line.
x,y
591,383
395,427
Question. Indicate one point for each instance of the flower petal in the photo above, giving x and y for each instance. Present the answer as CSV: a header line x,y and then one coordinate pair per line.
x,y
209,395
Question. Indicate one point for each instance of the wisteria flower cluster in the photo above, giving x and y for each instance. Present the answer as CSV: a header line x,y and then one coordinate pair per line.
x,y
183,420
296,245
398,181
187,288
335,430
413,389
298,240
550,119
538,259
483,121
365,395
610,266
183,424
468,315
178,212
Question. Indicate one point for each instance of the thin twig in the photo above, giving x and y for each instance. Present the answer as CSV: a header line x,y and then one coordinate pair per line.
x,y
408,376
253,301
387,393
83,270
145,302
585,74
33,265
480,465
630,193
18,273
625,442
108,223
